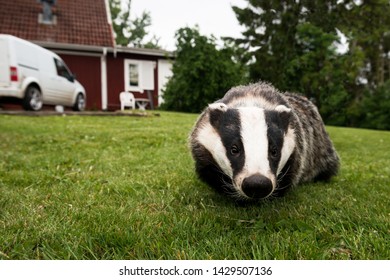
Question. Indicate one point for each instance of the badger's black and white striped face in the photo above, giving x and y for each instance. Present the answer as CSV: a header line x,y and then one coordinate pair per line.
x,y
250,145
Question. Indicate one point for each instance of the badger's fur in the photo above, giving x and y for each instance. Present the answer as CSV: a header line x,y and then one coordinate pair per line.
x,y
257,142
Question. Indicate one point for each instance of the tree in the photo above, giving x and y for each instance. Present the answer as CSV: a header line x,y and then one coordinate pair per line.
x,y
130,32
269,37
293,46
273,33
374,108
322,74
201,73
367,25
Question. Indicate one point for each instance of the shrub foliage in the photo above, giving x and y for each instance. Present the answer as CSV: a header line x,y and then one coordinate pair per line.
x,y
202,73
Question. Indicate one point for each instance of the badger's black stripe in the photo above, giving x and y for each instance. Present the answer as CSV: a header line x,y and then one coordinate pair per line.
x,y
228,126
209,171
277,123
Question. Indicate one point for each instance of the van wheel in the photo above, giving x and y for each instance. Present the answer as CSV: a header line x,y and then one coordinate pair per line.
x,y
79,105
32,99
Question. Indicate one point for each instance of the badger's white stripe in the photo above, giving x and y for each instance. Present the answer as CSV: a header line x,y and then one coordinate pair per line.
x,y
287,150
211,140
255,141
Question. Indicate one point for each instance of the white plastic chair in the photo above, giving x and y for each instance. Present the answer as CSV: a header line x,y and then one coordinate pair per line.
x,y
127,100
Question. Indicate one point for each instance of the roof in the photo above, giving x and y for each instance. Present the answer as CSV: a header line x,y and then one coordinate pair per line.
x,y
80,22
144,51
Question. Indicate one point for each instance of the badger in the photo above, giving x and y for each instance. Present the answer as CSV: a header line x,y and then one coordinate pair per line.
x,y
257,142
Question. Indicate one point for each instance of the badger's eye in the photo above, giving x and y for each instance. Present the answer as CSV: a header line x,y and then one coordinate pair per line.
x,y
274,151
235,150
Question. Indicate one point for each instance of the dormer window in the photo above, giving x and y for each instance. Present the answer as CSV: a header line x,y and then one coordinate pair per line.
x,y
47,17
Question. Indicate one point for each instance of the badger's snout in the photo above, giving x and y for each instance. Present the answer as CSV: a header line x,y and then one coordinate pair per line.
x,y
257,186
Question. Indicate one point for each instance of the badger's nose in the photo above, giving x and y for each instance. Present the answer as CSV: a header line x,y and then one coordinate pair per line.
x,y
257,186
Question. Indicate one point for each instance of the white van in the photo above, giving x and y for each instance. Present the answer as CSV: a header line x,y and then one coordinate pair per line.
x,y
36,76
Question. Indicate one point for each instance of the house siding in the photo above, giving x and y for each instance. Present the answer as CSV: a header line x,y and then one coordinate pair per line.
x,y
116,78
115,81
88,73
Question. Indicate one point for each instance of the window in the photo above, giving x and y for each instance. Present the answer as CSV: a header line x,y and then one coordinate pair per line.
x,y
133,75
62,70
47,17
139,75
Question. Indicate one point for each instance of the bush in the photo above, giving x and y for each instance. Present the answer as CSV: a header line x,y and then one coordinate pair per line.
x,y
201,73
375,108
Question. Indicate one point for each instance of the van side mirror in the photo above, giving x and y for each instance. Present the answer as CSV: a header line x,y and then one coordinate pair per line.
x,y
71,78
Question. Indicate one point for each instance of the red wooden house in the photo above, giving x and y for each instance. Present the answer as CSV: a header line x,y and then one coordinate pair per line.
x,y
80,31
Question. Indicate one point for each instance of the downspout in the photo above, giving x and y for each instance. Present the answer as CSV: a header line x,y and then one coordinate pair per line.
x,y
103,62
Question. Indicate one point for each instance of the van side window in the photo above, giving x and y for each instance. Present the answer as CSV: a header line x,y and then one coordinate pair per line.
x,y
62,70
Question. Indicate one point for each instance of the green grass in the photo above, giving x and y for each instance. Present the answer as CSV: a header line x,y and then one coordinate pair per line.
x,y
124,188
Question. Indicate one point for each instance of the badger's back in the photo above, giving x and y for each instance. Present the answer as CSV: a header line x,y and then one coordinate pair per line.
x,y
317,155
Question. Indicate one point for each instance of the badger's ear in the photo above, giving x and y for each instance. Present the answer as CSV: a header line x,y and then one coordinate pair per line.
x,y
215,112
218,106
284,115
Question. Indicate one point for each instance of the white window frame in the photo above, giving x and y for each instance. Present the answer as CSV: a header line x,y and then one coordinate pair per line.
x,y
127,64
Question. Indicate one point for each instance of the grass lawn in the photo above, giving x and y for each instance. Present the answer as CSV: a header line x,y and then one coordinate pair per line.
x,y
81,187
